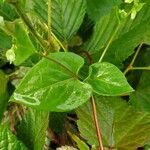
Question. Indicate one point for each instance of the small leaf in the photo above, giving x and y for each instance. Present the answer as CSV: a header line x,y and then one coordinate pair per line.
x,y
58,88
81,145
23,45
122,128
9,141
106,79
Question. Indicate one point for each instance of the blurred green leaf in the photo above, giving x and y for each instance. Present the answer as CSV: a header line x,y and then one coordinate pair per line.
x,y
32,129
129,35
122,128
98,8
8,12
23,46
81,145
3,93
140,99
5,40
67,16
9,141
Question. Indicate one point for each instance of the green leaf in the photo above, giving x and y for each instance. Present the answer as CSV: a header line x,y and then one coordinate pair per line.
x,y
5,40
81,145
106,79
32,129
103,30
98,8
3,93
129,35
23,45
140,99
121,127
8,12
67,16
60,118
52,84
9,141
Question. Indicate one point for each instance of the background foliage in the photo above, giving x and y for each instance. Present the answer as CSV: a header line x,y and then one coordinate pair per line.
x,y
59,58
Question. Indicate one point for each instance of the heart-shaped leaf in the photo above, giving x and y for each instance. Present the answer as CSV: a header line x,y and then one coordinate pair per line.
x,y
53,84
106,79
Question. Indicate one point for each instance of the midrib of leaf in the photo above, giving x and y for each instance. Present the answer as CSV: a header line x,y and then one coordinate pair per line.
x,y
73,24
132,127
61,65
61,17
41,9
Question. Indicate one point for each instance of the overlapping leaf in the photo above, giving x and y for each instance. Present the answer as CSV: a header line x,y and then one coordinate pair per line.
x,y
32,129
9,141
121,127
67,16
140,99
5,40
97,9
52,84
129,34
23,45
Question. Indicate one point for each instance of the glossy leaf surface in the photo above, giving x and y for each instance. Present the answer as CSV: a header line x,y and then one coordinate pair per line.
x,y
52,84
106,79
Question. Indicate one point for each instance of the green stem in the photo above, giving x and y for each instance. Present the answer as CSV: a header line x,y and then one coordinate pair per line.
x,y
45,29
136,54
98,131
60,44
130,66
109,42
61,65
49,20
140,68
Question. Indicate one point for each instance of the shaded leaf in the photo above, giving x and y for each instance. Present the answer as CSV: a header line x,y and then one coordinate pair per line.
x,y
98,8
5,40
121,127
9,141
81,145
8,12
3,93
58,88
67,16
129,34
140,99
106,79
32,129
